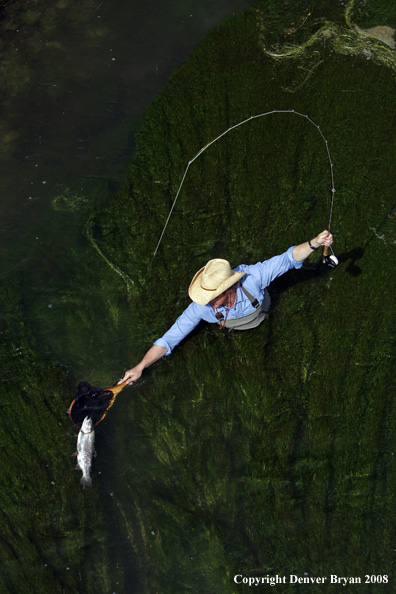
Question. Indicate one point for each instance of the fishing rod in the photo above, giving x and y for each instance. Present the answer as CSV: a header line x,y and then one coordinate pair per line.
x,y
329,260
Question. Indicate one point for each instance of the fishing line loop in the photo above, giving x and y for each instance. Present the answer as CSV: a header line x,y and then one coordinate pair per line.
x,y
252,117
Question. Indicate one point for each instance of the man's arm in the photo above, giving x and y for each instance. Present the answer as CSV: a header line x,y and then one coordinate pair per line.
x,y
184,324
155,353
274,267
302,251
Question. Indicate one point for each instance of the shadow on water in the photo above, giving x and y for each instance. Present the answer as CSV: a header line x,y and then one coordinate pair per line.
x,y
351,258
309,273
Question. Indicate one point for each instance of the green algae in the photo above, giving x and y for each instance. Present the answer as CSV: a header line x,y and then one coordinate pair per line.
x,y
270,451
69,201
343,37
47,519
373,13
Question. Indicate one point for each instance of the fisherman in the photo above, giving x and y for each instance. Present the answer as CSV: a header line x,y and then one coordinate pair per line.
x,y
236,299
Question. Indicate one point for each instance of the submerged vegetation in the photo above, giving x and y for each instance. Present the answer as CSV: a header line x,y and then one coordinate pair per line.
x,y
47,520
273,450
343,36
264,452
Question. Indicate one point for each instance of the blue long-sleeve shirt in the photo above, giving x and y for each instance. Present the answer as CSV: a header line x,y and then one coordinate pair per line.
x,y
257,279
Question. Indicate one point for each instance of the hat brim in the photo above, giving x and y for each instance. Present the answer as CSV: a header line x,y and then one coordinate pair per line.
x,y
204,296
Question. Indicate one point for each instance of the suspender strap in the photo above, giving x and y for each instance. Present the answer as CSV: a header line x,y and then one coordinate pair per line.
x,y
252,299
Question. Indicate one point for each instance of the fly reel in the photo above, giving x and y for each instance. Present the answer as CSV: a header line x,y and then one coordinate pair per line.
x,y
330,261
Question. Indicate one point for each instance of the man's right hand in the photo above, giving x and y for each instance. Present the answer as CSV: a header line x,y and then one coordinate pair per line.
x,y
132,375
153,354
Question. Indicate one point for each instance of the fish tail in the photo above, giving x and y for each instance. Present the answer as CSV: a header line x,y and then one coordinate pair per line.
x,y
86,481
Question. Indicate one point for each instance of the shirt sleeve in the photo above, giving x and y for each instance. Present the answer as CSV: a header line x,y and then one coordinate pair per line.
x,y
184,324
270,269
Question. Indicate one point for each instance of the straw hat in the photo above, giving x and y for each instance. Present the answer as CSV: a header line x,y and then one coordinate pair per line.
x,y
212,280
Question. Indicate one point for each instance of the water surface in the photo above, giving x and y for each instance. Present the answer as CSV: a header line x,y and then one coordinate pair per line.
x,y
77,79
77,92
263,453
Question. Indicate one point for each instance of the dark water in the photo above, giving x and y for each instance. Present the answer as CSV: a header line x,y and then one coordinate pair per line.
x,y
77,93
76,84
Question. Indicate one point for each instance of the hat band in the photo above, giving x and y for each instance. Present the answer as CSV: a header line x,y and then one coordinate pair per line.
x,y
205,289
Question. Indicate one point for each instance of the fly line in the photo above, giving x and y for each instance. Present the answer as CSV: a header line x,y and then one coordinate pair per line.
x,y
253,117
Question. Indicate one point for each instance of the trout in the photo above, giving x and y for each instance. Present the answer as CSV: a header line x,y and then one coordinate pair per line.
x,y
85,451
